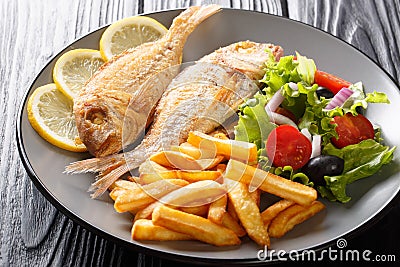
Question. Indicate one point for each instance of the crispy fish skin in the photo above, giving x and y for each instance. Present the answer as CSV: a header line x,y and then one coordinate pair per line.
x,y
101,107
200,98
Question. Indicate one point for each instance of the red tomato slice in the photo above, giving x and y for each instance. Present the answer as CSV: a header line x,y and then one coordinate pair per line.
x,y
286,146
352,130
327,80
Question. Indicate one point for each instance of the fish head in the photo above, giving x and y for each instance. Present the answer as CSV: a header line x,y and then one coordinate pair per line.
x,y
96,129
102,122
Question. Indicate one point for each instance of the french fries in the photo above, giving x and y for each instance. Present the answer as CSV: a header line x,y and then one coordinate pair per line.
x,y
195,152
248,212
194,194
239,150
209,189
133,200
233,224
290,217
270,183
198,227
217,209
145,230
190,176
272,211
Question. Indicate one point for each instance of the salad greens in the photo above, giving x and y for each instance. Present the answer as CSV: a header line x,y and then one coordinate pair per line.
x,y
294,77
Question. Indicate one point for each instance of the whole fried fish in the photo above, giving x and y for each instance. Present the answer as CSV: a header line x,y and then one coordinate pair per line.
x,y
200,98
101,107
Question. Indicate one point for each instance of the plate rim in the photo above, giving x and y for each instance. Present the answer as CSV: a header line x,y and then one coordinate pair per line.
x,y
362,227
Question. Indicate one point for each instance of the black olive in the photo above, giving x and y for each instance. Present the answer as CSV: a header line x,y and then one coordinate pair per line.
x,y
325,92
323,165
360,110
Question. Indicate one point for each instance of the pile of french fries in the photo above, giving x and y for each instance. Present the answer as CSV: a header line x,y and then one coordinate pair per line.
x,y
208,189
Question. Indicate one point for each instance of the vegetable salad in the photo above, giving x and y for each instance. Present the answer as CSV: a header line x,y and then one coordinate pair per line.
x,y
309,126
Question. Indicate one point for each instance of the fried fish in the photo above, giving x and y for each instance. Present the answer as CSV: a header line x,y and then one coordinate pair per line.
x,y
101,108
200,98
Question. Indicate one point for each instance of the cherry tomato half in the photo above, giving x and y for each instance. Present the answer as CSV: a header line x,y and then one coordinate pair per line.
x,y
352,130
333,83
286,146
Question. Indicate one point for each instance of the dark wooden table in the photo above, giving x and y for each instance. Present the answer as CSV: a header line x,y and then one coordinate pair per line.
x,y
32,231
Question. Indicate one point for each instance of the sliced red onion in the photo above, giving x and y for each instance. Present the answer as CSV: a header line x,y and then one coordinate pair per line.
x,y
280,119
339,98
275,101
316,145
306,133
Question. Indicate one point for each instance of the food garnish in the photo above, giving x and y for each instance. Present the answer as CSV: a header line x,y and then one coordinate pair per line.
x,y
129,33
74,68
50,114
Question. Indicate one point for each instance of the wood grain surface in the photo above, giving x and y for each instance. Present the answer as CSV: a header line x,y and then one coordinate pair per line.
x,y
32,231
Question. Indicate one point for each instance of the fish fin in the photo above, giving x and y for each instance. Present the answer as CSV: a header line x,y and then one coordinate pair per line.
x,y
108,176
93,164
104,181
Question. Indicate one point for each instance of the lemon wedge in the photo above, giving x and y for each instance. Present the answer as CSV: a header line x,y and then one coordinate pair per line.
x,y
50,113
128,33
74,68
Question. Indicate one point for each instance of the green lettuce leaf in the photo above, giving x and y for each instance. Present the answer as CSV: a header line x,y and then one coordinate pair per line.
x,y
360,161
306,69
288,173
254,125
277,74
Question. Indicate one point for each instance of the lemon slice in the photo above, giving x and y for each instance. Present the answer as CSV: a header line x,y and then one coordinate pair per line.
x,y
128,33
50,114
74,68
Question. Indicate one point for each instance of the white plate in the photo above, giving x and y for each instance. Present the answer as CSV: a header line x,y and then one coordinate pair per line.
x,y
45,163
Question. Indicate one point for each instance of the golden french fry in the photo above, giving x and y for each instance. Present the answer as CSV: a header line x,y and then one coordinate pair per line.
x,y
174,159
256,196
145,230
126,184
271,183
198,227
201,210
190,176
150,166
146,212
134,200
272,211
287,219
195,152
221,167
217,209
148,178
194,194
134,179
207,164
116,191
231,210
233,224
239,150
196,176
248,212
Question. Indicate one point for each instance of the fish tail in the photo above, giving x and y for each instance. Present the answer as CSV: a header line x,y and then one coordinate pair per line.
x,y
106,179
188,20
93,164
108,176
